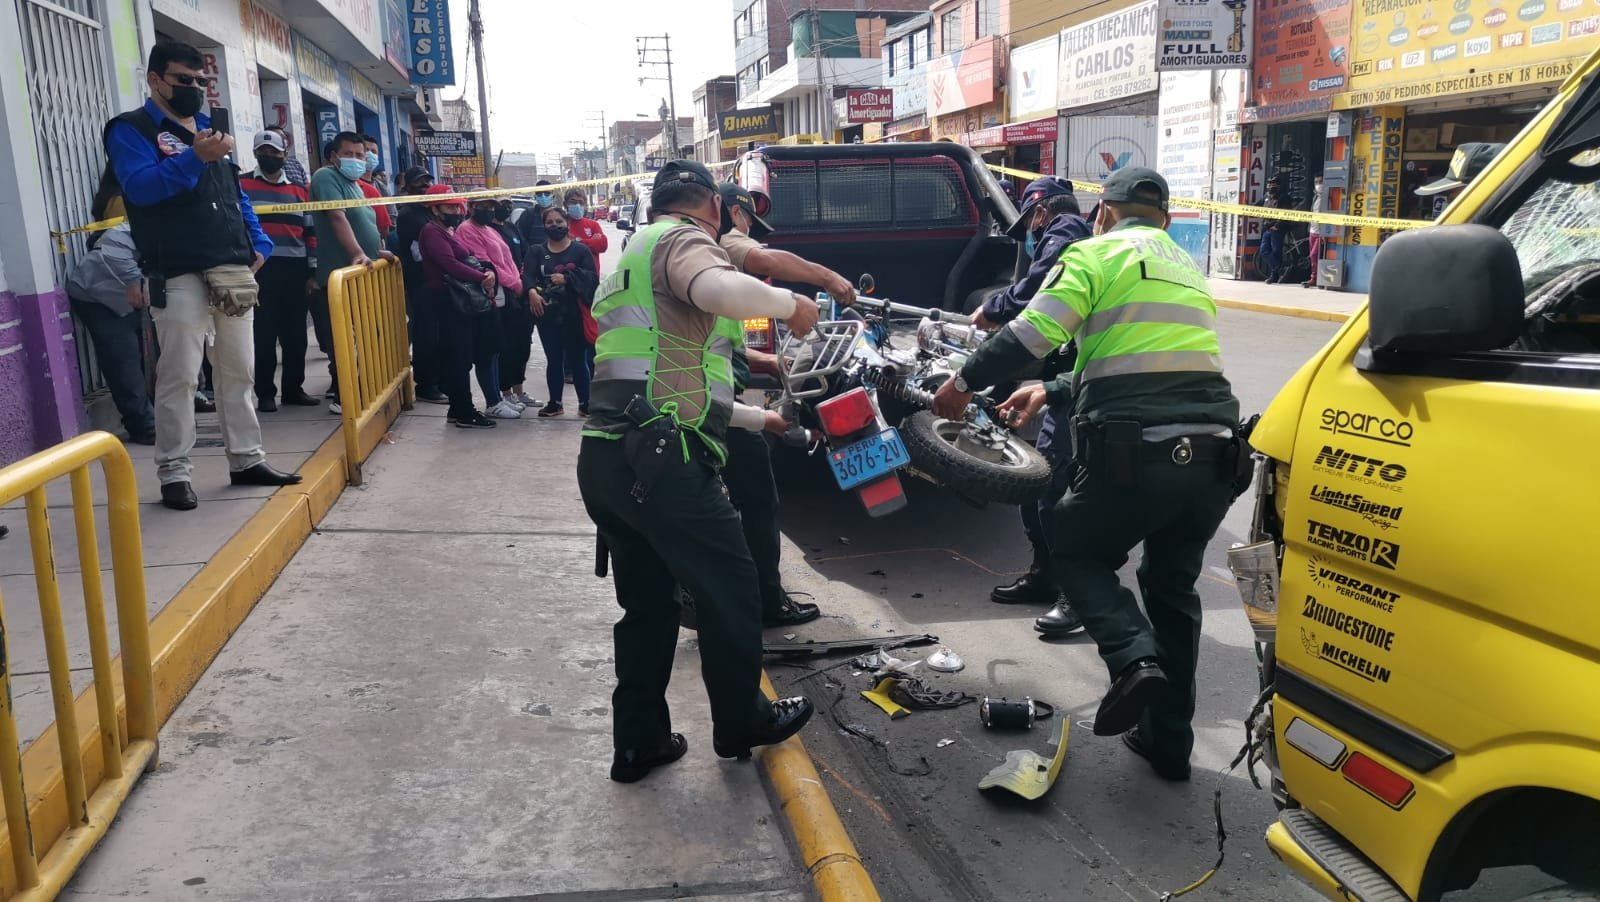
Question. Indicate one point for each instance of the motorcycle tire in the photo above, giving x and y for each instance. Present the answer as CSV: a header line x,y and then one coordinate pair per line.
x,y
1020,479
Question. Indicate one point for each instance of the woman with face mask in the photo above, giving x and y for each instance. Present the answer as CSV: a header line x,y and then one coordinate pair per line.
x,y
561,278
583,229
464,341
478,235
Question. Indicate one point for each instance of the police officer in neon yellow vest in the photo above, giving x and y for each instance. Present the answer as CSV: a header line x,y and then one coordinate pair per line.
x,y
1153,425
660,349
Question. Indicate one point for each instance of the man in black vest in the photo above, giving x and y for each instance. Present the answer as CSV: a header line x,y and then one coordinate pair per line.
x,y
195,232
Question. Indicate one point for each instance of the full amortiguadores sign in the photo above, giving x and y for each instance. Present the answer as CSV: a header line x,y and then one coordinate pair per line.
x,y
1204,34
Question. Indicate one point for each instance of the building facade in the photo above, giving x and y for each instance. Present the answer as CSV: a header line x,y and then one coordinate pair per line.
x,y
711,100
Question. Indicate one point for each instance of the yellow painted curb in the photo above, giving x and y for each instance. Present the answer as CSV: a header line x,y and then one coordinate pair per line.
x,y
825,847
1331,316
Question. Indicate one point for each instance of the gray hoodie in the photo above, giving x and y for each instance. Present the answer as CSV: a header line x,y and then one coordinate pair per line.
x,y
104,274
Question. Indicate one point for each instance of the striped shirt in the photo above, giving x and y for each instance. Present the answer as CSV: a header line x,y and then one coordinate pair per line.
x,y
291,233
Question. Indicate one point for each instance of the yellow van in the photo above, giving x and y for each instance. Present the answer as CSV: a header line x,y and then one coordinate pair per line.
x,y
1424,570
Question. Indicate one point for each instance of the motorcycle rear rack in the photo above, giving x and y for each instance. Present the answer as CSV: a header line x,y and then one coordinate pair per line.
x,y
830,345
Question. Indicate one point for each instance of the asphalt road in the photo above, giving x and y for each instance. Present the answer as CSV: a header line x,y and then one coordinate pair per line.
x,y
1109,829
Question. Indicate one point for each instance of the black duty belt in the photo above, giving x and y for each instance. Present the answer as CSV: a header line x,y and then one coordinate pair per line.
x,y
1186,449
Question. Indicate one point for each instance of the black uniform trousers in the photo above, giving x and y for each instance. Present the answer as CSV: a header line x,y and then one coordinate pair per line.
x,y
685,532
748,475
1036,517
281,322
1174,509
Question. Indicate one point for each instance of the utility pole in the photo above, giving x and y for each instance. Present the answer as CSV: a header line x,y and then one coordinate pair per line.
x,y
475,32
669,138
816,58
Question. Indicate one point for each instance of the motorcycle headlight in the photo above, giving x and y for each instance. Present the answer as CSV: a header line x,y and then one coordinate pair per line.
x,y
1256,565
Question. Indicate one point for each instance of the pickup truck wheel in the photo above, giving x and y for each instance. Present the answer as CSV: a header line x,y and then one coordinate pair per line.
x,y
1018,474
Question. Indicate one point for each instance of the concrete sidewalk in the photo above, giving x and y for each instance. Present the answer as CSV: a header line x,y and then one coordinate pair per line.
x,y
177,544
419,709
1286,300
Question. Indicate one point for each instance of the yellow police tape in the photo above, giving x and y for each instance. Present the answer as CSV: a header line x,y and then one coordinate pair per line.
x,y
323,206
1212,206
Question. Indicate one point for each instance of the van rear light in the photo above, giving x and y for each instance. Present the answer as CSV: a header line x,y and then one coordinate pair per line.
x,y
1389,787
1315,742
758,334
847,414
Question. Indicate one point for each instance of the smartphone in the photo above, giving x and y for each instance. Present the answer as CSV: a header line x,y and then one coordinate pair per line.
x,y
221,120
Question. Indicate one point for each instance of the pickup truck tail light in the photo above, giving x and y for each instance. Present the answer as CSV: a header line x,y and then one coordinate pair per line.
x,y
1389,787
847,414
758,334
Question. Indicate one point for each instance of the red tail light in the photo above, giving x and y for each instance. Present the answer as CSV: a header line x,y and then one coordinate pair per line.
x,y
847,414
1388,786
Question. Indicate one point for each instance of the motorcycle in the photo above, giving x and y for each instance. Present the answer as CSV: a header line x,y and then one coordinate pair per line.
x,y
848,387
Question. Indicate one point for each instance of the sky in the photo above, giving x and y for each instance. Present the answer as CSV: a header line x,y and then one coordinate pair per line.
x,y
553,67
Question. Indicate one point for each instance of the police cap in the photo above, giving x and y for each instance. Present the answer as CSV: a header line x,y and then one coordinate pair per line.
x,y
1137,185
685,171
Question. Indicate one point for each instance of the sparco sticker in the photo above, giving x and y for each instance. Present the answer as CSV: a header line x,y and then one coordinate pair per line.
x,y
1383,516
1350,543
1371,471
1388,430
1343,658
1347,586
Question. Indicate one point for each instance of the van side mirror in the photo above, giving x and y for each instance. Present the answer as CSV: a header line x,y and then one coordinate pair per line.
x,y
1445,290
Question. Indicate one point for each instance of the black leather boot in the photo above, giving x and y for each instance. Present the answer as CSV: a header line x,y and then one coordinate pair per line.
x,y
1034,587
1060,620
784,718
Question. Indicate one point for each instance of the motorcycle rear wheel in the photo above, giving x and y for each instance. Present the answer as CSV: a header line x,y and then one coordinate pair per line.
x,y
1020,476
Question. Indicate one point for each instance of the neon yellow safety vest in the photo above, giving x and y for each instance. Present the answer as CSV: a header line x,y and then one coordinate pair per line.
x,y
688,381
1135,301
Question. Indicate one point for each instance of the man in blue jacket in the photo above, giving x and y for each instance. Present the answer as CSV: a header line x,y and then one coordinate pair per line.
x,y
1048,223
199,245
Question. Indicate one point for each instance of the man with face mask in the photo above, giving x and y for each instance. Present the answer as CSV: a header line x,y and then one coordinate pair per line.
x,y
584,230
1154,423
286,283
199,242
372,183
422,318
1047,225
664,375
348,237
530,224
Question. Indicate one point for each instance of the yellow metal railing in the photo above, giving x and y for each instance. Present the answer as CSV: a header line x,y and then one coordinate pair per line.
x,y
367,306
79,781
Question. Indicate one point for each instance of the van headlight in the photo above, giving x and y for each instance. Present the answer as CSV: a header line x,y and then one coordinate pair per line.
x,y
1256,565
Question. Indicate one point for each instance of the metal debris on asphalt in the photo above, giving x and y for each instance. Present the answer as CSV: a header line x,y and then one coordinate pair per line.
x,y
944,742
945,661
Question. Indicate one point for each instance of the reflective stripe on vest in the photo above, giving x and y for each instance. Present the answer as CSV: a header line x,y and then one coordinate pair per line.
x,y
1151,313
632,348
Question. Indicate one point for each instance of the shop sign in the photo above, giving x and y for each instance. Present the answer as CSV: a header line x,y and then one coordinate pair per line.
x,y
364,91
1226,184
1301,51
316,69
1494,79
1440,46
1184,144
396,46
447,144
994,136
1204,34
432,60
215,65
1100,145
463,173
1032,79
271,37
1375,171
741,126
220,22
1108,58
360,18
327,125
962,80
1036,132
869,105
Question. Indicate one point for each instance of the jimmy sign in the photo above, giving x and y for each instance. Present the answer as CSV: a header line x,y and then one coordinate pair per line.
x,y
1204,34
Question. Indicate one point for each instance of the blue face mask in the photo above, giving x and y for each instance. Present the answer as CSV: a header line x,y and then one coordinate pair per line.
x,y
352,168
575,211
542,199
372,161
1029,244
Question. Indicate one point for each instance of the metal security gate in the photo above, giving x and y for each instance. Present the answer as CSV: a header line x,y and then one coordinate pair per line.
x,y
66,58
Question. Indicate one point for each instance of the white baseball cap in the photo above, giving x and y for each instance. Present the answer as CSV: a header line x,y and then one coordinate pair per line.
x,y
269,139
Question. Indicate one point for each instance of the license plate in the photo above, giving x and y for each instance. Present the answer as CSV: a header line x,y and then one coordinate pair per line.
x,y
868,459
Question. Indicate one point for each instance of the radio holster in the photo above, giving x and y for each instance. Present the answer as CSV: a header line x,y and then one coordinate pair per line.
x,y
1107,450
653,444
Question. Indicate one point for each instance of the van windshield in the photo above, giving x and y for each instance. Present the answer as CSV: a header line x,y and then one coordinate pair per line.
x,y
1558,228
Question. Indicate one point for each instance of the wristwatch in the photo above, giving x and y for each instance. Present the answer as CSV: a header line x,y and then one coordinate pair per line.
x,y
960,383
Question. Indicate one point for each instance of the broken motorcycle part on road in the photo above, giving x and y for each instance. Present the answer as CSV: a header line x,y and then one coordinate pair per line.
x,y
945,661
1013,714
864,644
1026,772
879,695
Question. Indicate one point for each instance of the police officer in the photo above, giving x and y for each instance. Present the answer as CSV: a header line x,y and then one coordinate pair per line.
x,y
1153,430
1048,223
748,473
661,403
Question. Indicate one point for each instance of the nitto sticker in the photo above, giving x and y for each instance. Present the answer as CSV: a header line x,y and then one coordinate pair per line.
x,y
1383,516
1349,624
1344,659
1350,543
1388,430
1347,586
1360,468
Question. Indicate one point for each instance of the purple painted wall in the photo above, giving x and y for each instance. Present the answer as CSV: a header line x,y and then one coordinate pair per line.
x,y
40,402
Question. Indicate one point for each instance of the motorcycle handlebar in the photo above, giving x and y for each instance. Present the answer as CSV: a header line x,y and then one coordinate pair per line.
x,y
889,306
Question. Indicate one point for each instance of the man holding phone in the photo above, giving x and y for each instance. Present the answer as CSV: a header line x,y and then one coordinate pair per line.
x,y
196,234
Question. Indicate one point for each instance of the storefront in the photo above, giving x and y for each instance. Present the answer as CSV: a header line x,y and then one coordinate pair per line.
x,y
1428,79
909,128
319,96
961,90
1107,98
1033,134
1301,49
